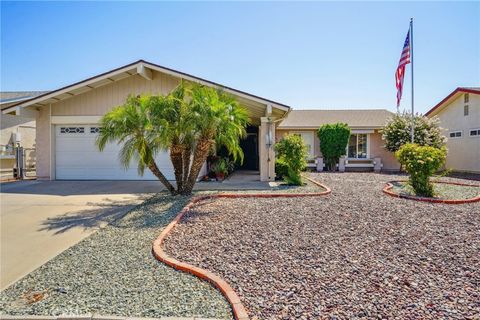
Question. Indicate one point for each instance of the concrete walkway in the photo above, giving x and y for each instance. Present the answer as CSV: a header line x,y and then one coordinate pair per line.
x,y
40,219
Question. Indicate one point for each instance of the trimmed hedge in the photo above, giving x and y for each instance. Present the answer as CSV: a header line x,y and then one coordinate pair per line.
x,y
333,142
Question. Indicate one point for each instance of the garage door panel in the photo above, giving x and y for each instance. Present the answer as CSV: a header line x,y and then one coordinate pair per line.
x,y
78,158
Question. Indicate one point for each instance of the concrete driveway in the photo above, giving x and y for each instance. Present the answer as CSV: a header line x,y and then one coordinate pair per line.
x,y
40,219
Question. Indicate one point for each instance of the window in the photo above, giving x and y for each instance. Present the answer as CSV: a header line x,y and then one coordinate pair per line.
x,y
455,134
475,133
95,130
358,146
308,141
466,98
72,130
465,110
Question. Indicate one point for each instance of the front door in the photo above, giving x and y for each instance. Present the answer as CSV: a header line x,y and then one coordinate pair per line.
x,y
249,146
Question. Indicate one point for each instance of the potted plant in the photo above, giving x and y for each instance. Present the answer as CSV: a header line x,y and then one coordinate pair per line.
x,y
220,168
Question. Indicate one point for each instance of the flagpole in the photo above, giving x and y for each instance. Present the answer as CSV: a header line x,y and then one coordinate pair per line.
x,y
411,61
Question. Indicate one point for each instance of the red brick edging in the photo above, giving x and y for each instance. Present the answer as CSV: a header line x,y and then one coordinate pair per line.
x,y
239,310
389,186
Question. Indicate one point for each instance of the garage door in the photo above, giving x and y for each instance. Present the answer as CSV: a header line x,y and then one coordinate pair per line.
x,y
77,157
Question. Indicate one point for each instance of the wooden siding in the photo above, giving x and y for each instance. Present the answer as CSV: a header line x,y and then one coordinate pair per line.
x,y
98,101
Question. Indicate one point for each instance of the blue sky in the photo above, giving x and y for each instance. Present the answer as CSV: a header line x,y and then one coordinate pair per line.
x,y
308,55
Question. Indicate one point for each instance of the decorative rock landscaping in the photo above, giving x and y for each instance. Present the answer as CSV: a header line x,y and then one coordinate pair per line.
x,y
446,192
355,253
114,272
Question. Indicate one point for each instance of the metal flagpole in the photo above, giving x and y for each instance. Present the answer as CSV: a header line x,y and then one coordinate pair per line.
x,y
411,61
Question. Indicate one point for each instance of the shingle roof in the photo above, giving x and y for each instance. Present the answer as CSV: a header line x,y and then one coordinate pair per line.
x,y
9,96
372,118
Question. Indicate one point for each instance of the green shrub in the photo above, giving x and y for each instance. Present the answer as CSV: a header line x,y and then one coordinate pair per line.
x,y
333,142
291,153
421,162
281,168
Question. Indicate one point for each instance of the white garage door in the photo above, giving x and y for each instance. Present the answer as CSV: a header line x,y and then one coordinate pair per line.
x,y
77,157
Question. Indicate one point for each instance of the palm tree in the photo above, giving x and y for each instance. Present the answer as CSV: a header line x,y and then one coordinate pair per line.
x,y
189,122
218,121
142,134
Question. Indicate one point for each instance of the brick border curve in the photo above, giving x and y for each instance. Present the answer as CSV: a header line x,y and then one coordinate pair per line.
x,y
389,186
230,295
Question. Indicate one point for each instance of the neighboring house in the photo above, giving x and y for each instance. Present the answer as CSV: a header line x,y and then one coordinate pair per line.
x,y
459,115
365,143
9,98
67,124
16,131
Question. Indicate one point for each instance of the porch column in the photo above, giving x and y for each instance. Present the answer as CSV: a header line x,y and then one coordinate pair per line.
x,y
266,142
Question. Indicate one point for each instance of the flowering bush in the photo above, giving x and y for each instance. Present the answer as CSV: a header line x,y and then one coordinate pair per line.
x,y
421,162
427,131
291,154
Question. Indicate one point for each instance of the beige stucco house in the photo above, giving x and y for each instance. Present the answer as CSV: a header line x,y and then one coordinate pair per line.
x,y
67,124
459,115
365,148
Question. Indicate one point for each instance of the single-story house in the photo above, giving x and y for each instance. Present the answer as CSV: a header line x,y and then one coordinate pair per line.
x,y
365,148
67,124
459,114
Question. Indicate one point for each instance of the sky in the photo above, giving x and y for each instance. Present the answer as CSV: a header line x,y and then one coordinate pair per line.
x,y
308,55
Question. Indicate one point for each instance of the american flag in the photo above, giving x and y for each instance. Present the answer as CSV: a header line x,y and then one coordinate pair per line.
x,y
404,60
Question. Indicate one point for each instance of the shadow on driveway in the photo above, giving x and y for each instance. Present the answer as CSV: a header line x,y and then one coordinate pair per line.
x,y
98,216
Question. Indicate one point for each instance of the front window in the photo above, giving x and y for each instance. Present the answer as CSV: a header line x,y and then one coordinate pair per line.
x,y
307,138
357,146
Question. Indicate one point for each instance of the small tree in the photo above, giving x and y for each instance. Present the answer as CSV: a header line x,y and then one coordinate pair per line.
x,y
427,131
333,142
421,162
291,153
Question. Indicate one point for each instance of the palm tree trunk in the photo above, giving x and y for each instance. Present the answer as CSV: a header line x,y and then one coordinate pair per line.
x,y
153,167
199,157
176,151
187,152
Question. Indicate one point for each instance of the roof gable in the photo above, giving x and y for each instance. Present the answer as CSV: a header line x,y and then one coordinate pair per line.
x,y
134,68
450,98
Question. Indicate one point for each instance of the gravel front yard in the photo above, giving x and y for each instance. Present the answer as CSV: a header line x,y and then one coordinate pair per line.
x,y
355,253
113,272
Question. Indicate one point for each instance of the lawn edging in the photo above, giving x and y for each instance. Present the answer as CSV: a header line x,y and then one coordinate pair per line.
x,y
230,295
389,186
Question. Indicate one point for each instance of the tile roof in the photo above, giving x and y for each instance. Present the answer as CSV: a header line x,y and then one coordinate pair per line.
x,y
372,118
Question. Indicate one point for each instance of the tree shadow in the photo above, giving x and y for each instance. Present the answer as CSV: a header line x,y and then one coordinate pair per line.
x,y
98,216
